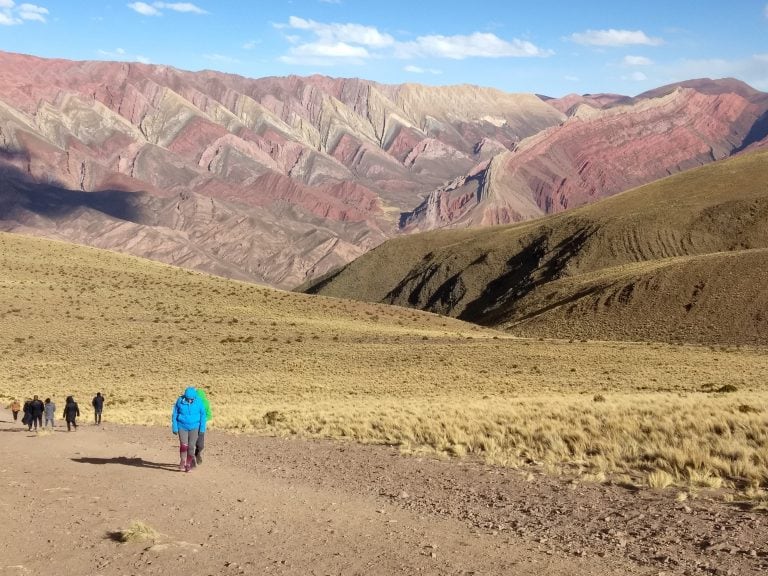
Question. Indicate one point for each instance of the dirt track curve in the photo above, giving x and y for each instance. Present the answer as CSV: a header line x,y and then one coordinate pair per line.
x,y
294,506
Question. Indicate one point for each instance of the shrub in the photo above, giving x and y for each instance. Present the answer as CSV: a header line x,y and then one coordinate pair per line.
x,y
273,417
727,388
660,479
747,409
138,531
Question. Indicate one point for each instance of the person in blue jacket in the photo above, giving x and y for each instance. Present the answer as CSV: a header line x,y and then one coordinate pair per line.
x,y
188,420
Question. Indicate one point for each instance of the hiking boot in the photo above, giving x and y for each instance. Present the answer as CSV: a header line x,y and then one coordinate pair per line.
x,y
199,459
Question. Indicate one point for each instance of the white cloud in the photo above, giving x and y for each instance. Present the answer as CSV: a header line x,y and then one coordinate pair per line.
x,y
220,58
122,55
144,9
32,12
572,78
180,7
419,70
478,44
613,37
636,61
251,44
156,8
636,77
314,40
335,50
752,70
11,14
344,33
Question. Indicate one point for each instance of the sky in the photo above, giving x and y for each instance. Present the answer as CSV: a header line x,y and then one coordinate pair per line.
x,y
546,47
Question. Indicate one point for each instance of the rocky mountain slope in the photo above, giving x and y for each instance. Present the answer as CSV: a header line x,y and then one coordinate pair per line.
x,y
277,180
684,258
271,180
607,145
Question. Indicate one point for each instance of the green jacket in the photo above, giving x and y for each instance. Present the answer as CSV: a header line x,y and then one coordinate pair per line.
x,y
206,403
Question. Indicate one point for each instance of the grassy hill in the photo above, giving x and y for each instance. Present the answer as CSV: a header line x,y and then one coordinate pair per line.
x,y
684,258
78,320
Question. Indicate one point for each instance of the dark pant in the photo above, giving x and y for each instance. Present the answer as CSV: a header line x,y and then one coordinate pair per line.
x,y
36,421
15,415
97,416
200,444
71,423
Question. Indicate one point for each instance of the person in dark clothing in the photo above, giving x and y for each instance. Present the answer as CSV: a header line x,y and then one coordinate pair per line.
x,y
36,409
27,418
71,412
98,406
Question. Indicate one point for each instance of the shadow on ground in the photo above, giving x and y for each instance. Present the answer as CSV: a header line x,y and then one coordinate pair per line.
x,y
125,461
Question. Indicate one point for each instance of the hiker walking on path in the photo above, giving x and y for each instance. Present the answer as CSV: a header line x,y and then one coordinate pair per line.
x,y
98,406
200,444
188,420
15,407
36,410
27,418
50,411
71,412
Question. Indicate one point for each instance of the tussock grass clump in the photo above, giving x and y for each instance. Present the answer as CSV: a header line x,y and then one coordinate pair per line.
x,y
660,479
138,531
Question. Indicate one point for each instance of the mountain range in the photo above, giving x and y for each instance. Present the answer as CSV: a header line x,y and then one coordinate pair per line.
x,y
683,259
281,180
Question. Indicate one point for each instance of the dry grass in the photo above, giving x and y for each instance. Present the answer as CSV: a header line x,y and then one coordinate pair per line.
x,y
76,321
138,531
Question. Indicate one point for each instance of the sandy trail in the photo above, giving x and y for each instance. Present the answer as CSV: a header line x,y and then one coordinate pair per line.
x,y
292,506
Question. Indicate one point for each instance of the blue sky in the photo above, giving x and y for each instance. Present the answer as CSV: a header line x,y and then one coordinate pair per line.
x,y
552,48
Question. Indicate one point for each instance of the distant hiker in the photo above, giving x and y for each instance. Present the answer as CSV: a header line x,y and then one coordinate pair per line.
x,y
188,420
98,406
36,410
15,407
200,444
71,412
27,418
50,411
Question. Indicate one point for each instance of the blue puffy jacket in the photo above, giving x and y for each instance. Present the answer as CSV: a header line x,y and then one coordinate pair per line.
x,y
188,412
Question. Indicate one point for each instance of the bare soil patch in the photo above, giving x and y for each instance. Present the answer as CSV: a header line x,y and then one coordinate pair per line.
x,y
291,506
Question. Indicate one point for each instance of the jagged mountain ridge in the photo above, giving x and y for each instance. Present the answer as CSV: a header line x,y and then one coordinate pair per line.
x,y
288,178
298,154
607,145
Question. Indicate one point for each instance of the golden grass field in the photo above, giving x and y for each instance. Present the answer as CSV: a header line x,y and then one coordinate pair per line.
x,y
77,320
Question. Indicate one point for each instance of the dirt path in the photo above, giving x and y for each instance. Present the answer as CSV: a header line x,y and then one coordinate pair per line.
x,y
291,506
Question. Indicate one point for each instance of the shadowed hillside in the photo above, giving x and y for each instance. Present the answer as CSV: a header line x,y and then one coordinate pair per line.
x,y
684,258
